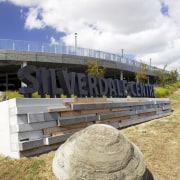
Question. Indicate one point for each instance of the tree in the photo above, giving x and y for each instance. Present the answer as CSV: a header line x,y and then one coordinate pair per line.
x,y
94,69
141,74
162,75
173,76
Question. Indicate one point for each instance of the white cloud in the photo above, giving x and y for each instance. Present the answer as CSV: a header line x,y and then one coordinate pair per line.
x,y
169,56
137,26
34,19
53,41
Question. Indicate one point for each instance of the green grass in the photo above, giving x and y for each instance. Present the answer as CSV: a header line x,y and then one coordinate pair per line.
x,y
25,168
166,90
161,92
33,170
175,97
13,94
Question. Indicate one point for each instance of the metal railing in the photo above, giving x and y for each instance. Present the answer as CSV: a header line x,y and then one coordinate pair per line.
x,y
9,44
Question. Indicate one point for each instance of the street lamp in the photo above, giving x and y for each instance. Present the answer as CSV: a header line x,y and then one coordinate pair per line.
x,y
122,50
75,45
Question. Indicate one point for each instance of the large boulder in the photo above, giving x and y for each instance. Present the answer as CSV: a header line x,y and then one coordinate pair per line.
x,y
99,152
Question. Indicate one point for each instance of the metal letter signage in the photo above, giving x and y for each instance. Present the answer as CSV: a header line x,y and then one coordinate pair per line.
x,y
54,83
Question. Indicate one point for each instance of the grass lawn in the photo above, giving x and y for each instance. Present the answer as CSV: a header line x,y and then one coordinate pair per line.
x,y
159,141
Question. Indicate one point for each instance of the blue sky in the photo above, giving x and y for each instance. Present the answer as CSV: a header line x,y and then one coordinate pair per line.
x,y
151,30
12,26
164,9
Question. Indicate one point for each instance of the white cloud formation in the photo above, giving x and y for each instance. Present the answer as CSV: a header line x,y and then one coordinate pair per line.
x,y
138,26
53,41
32,22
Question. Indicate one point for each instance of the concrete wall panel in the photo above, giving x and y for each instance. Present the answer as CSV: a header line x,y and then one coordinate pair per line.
x,y
25,122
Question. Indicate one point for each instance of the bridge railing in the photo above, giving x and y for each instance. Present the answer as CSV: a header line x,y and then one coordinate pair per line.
x,y
9,44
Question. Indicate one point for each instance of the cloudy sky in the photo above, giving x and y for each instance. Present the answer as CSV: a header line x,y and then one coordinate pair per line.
x,y
145,29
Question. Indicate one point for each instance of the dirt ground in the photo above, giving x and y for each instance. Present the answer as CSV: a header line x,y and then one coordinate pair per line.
x,y
159,141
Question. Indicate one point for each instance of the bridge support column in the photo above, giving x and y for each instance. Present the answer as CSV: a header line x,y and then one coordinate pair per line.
x,y
7,81
121,75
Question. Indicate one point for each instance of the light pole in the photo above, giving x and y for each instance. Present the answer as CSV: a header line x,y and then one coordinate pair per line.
x,y
122,50
75,45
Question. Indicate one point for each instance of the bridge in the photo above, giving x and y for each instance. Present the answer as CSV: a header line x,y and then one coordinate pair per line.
x,y
16,53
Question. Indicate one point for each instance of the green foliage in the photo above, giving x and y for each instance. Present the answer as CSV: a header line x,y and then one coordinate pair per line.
x,y
173,76
94,69
63,96
36,95
164,77
104,96
178,84
161,92
166,90
13,94
141,74
73,96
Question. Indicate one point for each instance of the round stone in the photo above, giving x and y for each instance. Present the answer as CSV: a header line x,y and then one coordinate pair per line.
x,y
99,152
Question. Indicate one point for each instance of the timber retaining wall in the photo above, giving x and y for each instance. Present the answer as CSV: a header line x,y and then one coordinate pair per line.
x,y
34,126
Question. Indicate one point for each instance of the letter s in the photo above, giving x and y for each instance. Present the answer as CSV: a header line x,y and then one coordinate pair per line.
x,y
25,75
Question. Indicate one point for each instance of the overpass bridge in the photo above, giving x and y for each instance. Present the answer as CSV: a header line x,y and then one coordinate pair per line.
x,y
16,53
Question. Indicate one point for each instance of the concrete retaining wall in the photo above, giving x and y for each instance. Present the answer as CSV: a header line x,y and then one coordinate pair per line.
x,y
33,126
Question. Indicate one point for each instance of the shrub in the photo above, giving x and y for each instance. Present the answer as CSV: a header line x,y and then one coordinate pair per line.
x,y
13,94
161,92
166,90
